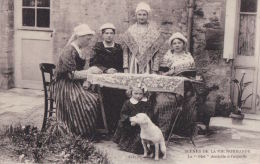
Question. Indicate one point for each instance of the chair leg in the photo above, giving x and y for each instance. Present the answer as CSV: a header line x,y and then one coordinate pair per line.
x,y
51,108
45,116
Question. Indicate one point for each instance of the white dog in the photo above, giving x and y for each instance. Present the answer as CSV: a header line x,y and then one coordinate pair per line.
x,y
150,133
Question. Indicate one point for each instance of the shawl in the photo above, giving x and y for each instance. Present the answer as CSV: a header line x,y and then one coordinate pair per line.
x,y
143,47
68,62
178,62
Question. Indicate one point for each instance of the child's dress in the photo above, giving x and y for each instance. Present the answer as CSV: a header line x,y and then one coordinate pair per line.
x,y
128,137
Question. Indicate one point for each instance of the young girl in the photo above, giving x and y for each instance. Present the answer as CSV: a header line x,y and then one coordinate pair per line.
x,y
128,137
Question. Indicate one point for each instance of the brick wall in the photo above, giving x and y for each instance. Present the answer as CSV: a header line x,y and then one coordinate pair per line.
x,y
6,44
208,40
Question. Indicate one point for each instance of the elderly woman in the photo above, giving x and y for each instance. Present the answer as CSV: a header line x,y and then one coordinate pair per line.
x,y
141,43
76,107
108,58
177,61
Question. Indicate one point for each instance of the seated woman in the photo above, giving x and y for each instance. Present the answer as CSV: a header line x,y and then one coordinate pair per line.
x,y
167,105
75,107
108,55
108,58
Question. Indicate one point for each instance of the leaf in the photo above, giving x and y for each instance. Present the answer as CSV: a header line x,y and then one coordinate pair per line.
x,y
235,81
243,101
241,83
247,83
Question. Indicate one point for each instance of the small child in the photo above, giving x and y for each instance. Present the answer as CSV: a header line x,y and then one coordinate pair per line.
x,y
128,137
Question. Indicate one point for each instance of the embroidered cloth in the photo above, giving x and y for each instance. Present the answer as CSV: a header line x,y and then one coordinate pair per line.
x,y
153,82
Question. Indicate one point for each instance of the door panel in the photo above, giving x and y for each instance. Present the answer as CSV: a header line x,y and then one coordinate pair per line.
x,y
33,48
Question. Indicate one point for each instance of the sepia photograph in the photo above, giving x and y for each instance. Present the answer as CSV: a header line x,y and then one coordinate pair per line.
x,y
130,81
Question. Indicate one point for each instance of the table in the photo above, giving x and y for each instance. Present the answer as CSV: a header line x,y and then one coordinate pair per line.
x,y
153,82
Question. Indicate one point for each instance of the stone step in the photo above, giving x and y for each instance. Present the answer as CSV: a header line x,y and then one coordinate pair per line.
x,y
252,117
250,123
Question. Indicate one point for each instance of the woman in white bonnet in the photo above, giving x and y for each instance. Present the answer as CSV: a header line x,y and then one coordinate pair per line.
x,y
141,43
177,62
108,58
76,107
177,59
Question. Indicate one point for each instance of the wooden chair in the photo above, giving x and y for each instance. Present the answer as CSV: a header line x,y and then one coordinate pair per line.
x,y
47,69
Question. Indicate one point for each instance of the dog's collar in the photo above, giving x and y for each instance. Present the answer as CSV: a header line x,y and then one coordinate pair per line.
x,y
134,101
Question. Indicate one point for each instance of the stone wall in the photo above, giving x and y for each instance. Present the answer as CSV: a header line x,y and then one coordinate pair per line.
x,y
208,40
6,44
171,15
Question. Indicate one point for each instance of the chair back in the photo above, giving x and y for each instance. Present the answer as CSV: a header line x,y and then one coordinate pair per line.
x,y
47,68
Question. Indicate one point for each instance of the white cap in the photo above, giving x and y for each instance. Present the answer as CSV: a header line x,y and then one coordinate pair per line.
x,y
107,26
177,35
83,29
143,6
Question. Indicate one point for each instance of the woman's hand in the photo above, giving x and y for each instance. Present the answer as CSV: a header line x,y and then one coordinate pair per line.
x,y
154,72
95,70
169,73
86,84
165,73
111,71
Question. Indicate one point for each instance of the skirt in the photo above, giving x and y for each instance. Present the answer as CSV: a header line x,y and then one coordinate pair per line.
x,y
170,108
75,107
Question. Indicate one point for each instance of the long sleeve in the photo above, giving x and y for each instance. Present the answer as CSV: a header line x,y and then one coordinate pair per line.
x,y
124,115
156,62
66,63
119,61
96,61
125,57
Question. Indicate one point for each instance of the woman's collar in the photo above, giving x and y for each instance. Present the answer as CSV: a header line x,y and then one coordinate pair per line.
x,y
107,46
78,50
134,101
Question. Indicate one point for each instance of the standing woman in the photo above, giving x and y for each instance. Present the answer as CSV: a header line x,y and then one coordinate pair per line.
x,y
108,58
76,107
141,43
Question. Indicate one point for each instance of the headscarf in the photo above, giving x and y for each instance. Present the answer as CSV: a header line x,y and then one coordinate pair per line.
x,y
107,26
143,6
80,30
177,35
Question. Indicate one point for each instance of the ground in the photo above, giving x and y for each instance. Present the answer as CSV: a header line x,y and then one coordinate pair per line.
x,y
223,145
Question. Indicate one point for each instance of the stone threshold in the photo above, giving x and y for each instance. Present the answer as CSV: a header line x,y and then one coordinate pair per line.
x,y
250,123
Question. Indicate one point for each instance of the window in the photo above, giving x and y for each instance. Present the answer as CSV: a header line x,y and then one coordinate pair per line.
x,y
247,27
36,13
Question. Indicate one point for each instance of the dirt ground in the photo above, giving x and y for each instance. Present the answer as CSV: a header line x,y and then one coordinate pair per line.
x,y
224,145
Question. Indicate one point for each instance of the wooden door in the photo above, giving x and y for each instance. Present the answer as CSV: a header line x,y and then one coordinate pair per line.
x,y
33,41
246,53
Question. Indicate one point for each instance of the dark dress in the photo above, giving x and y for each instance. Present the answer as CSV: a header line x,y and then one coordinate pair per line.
x,y
113,99
76,108
107,57
128,137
